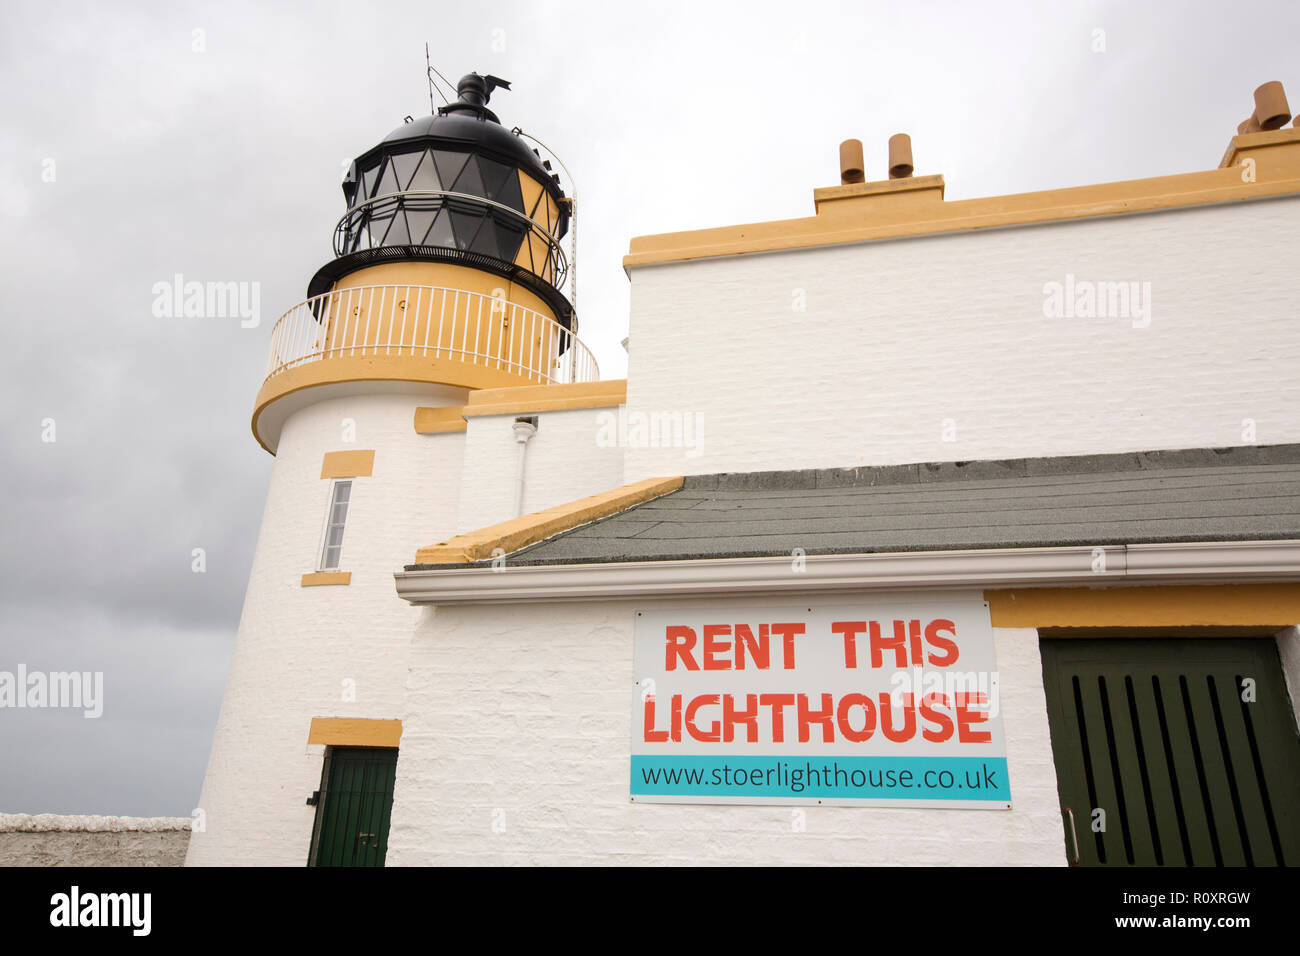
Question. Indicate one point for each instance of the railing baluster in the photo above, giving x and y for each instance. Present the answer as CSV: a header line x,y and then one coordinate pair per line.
x,y
370,310
406,308
464,333
455,318
546,358
419,313
478,331
442,314
527,347
539,347
518,344
506,340
501,328
338,324
342,321
519,354
318,329
350,330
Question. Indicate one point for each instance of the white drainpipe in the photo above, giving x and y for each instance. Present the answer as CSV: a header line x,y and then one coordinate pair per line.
x,y
524,429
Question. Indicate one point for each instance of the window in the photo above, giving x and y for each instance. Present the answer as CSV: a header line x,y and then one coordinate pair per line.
x,y
340,493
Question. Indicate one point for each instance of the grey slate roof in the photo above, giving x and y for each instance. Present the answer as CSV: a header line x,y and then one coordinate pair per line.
x,y
1245,493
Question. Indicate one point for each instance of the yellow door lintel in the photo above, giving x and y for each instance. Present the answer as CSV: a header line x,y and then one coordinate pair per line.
x,y
1270,606
354,732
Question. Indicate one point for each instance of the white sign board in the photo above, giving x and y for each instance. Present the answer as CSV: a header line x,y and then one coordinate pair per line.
x,y
887,701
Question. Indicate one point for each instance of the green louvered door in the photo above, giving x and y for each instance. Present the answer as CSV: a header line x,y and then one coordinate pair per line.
x,y
1163,737
353,812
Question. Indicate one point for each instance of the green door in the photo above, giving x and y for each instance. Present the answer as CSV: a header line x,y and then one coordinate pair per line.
x,y
355,803
1173,751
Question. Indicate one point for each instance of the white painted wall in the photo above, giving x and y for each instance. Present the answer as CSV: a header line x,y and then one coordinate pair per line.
x,y
565,461
296,645
520,715
900,335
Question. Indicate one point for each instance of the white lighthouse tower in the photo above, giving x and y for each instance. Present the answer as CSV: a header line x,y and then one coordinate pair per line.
x,y
446,279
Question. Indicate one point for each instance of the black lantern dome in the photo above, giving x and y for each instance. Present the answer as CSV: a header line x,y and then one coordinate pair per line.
x,y
455,187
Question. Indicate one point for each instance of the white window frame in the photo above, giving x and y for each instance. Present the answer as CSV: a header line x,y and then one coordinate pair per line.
x,y
323,549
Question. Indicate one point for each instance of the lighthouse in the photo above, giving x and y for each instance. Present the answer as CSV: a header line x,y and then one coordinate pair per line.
x,y
499,613
446,281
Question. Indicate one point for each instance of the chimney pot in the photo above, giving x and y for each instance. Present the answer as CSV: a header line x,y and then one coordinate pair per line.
x,y
1271,109
900,156
851,168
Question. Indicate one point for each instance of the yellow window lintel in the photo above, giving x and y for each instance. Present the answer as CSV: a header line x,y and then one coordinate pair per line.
x,y
348,464
315,579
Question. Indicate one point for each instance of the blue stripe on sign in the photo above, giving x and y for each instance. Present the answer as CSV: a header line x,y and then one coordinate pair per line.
x,y
842,777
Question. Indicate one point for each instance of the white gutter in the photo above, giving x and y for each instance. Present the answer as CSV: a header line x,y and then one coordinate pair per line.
x,y
1184,563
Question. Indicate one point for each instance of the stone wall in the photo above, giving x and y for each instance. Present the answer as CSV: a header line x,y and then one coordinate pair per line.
x,y
49,840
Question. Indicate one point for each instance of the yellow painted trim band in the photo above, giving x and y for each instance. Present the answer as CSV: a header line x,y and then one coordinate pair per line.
x,y
354,732
378,368
1222,630
1271,606
546,398
348,464
318,579
520,532
432,421
915,207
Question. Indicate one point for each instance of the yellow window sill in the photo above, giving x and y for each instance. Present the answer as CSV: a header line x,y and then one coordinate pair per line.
x,y
320,578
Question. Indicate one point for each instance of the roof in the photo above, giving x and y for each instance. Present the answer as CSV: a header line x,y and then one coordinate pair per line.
x,y
475,133
1236,494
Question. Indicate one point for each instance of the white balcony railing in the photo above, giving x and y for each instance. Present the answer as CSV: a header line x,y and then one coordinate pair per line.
x,y
432,322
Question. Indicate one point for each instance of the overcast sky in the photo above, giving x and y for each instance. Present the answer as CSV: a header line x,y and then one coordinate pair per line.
x,y
134,148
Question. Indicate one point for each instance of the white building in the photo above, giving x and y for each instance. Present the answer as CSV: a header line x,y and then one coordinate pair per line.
x,y
1050,437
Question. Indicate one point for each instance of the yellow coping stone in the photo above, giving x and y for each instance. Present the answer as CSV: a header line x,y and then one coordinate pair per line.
x,y
432,421
545,398
529,529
